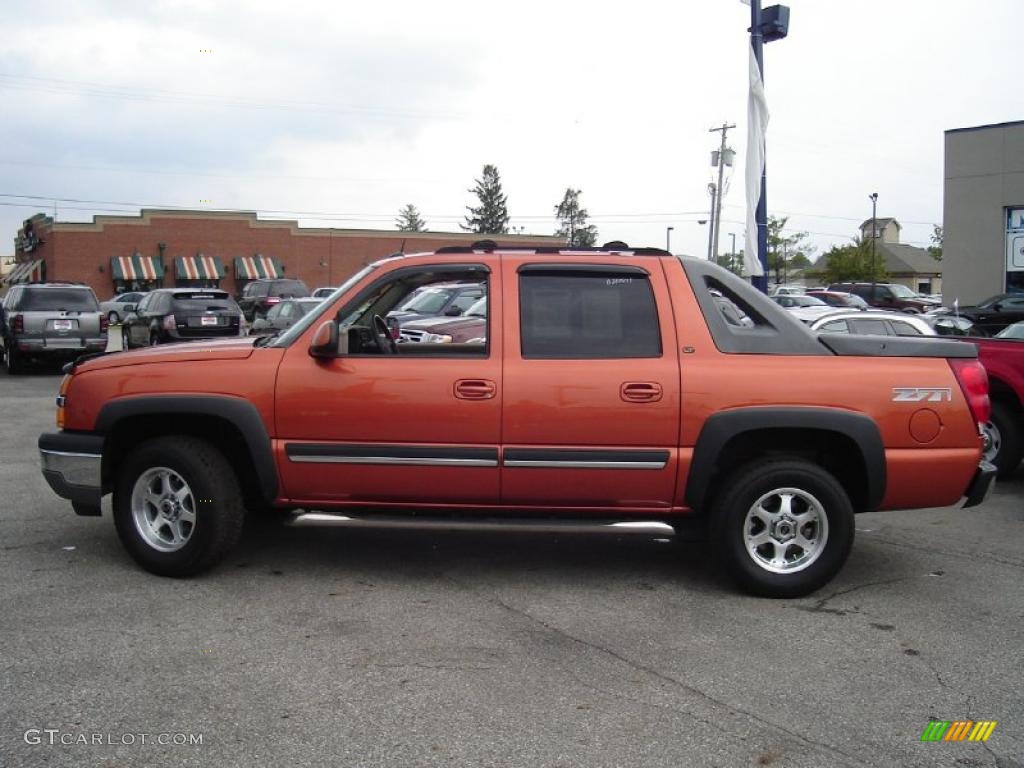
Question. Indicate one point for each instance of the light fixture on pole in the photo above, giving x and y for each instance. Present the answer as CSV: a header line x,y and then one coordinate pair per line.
x,y
668,239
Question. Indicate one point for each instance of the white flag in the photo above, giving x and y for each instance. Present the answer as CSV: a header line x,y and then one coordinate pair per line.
x,y
757,126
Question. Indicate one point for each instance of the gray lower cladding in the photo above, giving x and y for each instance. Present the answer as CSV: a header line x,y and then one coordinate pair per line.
x,y
445,456
72,466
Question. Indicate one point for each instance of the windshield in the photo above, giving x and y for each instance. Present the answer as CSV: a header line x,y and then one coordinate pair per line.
x,y
807,301
1015,331
992,301
477,309
902,292
427,301
66,299
309,318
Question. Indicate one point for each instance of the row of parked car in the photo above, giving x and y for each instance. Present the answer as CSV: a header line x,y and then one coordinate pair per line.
x,y
61,321
896,310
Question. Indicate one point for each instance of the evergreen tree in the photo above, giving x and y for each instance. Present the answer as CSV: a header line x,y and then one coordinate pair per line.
x,y
573,221
409,220
491,216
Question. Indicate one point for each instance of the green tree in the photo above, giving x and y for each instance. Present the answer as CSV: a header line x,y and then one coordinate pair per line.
x,y
409,220
491,216
731,261
573,221
786,251
853,263
935,249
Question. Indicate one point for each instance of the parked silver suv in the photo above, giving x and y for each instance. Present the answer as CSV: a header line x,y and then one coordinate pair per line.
x,y
50,321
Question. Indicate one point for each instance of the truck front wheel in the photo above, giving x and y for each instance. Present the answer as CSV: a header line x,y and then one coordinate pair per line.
x,y
177,505
782,528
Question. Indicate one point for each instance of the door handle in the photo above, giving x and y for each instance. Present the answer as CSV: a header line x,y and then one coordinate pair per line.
x,y
475,389
640,392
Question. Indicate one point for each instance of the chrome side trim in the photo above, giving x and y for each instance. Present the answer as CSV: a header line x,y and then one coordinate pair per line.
x,y
394,460
637,527
554,464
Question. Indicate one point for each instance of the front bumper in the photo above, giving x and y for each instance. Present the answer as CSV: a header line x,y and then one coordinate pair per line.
x,y
72,465
981,486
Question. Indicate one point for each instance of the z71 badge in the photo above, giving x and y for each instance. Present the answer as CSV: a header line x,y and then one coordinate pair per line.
x,y
921,394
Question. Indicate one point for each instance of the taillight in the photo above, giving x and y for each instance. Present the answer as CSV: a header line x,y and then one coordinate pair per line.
x,y
272,300
104,323
170,323
62,400
18,323
973,380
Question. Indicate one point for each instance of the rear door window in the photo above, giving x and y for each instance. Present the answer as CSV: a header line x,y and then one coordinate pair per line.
x,y
568,314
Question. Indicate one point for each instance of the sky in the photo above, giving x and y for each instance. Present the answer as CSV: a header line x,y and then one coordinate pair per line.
x,y
340,113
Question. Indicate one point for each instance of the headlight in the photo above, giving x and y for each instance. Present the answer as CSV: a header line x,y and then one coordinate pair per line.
x,y
438,338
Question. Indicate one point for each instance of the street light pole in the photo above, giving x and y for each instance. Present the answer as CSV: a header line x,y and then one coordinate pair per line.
x,y
668,239
874,236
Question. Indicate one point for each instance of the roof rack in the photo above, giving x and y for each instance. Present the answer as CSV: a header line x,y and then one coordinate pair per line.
x,y
614,246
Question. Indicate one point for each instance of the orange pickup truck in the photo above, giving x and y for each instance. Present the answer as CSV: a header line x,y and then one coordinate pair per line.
x,y
609,387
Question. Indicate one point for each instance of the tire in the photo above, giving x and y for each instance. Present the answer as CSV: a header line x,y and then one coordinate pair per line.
x,y
1004,443
113,318
193,535
753,507
12,360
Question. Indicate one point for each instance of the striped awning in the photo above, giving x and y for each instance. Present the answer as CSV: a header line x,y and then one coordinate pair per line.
x,y
255,267
27,272
198,267
136,267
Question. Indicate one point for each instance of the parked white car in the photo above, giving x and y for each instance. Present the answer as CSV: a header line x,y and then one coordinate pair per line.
x,y
873,324
805,308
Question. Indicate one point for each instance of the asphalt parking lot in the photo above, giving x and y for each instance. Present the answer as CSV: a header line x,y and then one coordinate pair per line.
x,y
373,648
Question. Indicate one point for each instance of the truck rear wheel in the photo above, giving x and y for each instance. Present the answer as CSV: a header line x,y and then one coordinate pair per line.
x,y
177,505
1003,439
782,528
12,360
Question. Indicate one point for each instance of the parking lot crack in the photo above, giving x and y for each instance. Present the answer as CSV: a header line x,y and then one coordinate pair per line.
x,y
819,607
679,684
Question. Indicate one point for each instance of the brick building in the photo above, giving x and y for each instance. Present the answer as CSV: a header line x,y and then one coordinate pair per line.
x,y
160,248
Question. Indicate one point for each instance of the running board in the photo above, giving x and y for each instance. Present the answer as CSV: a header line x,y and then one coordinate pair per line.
x,y
528,525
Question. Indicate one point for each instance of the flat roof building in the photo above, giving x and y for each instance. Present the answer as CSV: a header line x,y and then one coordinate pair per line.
x,y
225,249
983,212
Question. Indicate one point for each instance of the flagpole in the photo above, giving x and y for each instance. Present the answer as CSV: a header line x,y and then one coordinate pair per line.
x,y
761,215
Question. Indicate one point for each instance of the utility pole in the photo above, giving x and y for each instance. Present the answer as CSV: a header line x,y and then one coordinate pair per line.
x,y
722,158
713,191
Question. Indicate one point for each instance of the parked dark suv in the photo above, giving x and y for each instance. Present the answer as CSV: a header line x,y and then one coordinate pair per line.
x,y
888,296
50,321
259,296
179,314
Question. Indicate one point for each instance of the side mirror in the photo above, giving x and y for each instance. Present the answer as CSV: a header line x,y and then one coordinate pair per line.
x,y
997,307
259,324
453,312
325,341
129,307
